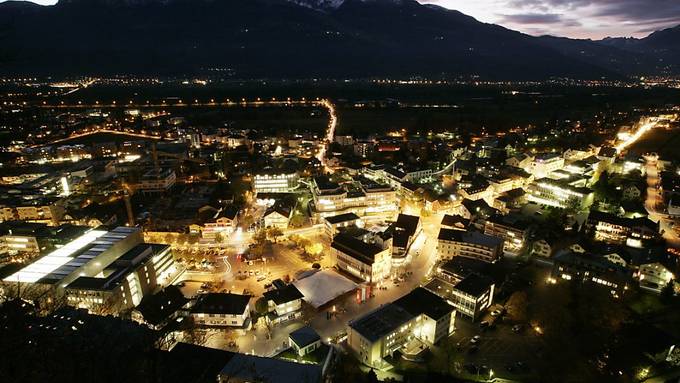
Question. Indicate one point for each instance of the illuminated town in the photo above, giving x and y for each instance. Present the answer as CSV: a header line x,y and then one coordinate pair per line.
x,y
219,226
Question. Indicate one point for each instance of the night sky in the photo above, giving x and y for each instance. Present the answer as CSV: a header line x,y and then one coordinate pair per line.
x,y
571,18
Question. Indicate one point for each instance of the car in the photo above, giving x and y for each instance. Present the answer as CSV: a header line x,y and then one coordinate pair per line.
x,y
484,324
475,339
517,328
496,313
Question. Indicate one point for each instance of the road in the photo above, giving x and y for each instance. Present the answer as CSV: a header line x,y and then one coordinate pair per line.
x,y
655,202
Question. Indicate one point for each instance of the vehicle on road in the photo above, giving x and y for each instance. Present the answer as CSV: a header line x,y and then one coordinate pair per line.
x,y
475,339
517,328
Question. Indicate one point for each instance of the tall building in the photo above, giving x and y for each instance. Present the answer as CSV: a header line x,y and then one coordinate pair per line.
x,y
100,270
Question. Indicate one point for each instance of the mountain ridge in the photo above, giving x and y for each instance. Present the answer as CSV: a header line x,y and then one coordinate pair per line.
x,y
284,38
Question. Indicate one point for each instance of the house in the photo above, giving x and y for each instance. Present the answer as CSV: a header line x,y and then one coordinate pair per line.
x,y
520,160
403,233
470,209
654,276
420,315
544,247
224,221
283,302
511,229
279,214
367,261
158,310
454,222
222,309
512,199
243,368
481,190
590,269
613,229
456,243
304,340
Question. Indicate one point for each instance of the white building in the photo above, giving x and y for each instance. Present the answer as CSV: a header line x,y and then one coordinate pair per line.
x,y
275,182
419,315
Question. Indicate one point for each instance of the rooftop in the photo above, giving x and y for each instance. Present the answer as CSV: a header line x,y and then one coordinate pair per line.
x,y
472,237
355,248
421,301
474,284
380,322
221,303
342,218
283,295
304,336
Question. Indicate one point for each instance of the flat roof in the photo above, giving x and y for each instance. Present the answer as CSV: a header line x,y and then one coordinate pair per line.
x,y
474,284
342,218
221,303
421,301
469,237
57,259
355,248
380,322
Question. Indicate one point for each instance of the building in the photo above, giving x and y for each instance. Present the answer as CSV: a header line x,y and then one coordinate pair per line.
x,y
419,315
225,221
362,197
613,229
471,296
471,244
43,210
455,222
559,193
283,303
101,270
242,368
364,148
279,214
304,340
367,261
122,284
271,181
654,276
222,310
513,232
545,164
590,269
403,232
157,181
333,223
160,309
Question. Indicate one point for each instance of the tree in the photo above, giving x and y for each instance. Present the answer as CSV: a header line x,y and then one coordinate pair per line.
x,y
220,238
668,292
274,233
262,306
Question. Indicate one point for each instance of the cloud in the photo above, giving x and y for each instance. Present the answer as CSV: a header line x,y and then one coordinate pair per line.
x,y
574,18
533,18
